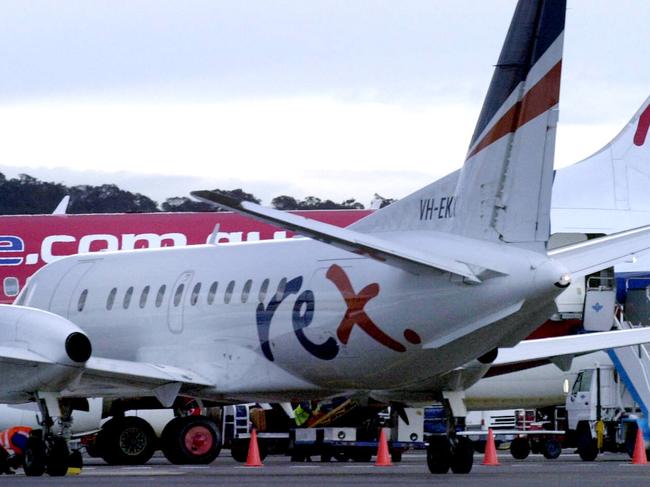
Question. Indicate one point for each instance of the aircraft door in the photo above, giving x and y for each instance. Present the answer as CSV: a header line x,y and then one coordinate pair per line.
x,y
66,293
176,307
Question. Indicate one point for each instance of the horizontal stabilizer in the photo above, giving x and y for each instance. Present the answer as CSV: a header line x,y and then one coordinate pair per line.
x,y
593,255
391,253
552,348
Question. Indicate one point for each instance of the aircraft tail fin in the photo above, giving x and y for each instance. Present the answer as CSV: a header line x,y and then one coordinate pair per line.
x,y
503,191
613,183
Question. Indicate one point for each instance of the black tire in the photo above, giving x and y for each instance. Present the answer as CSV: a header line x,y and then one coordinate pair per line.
x,y
361,456
588,451
587,446
520,448
462,456
75,460
439,455
191,440
396,456
630,439
552,449
35,459
239,450
341,456
479,446
128,440
58,457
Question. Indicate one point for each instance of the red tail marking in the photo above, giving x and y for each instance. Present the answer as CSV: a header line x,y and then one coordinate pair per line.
x,y
642,128
540,98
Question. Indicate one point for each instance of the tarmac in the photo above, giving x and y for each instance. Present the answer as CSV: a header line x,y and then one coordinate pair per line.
x,y
567,470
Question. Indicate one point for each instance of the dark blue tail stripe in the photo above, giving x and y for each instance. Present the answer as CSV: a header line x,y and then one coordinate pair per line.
x,y
535,26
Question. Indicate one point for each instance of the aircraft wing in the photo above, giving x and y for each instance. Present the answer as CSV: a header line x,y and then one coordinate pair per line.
x,y
554,349
586,257
392,253
129,378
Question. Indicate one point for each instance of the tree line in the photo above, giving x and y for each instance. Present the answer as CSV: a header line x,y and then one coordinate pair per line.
x,y
26,195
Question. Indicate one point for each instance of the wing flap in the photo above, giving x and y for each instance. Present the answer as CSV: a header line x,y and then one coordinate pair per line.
x,y
391,253
556,347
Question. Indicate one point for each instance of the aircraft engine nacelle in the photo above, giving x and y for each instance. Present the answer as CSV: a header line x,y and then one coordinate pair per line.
x,y
42,352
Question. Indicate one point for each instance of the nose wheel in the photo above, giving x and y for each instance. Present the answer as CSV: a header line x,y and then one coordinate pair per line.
x,y
48,452
51,456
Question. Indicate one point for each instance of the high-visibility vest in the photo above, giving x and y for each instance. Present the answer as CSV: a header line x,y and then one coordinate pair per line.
x,y
15,438
300,415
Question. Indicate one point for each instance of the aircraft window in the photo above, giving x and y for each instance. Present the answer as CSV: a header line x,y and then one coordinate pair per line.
x,y
195,294
263,290
111,299
246,290
11,287
212,292
144,296
179,294
160,295
127,298
82,300
228,294
281,285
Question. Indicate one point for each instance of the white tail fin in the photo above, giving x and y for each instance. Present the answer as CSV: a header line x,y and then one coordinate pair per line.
x,y
613,184
503,191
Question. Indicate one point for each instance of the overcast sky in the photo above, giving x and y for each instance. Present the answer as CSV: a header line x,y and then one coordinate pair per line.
x,y
336,98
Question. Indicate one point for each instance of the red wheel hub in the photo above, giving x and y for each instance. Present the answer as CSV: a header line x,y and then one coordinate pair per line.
x,y
198,440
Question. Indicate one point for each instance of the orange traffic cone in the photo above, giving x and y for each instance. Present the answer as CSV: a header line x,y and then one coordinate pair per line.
x,y
490,457
639,457
383,457
253,458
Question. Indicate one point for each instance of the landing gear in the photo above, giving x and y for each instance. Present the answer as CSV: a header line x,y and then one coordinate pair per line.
x,y
444,453
35,457
47,451
191,440
126,440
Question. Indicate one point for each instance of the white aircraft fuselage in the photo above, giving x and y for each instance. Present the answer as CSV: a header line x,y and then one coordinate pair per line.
x,y
301,316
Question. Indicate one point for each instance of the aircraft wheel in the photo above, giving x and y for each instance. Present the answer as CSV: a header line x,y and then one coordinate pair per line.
x,y
191,440
439,454
128,440
552,449
35,458
57,457
520,448
462,457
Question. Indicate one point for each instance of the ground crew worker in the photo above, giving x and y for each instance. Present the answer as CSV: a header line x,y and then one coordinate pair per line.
x,y
13,442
